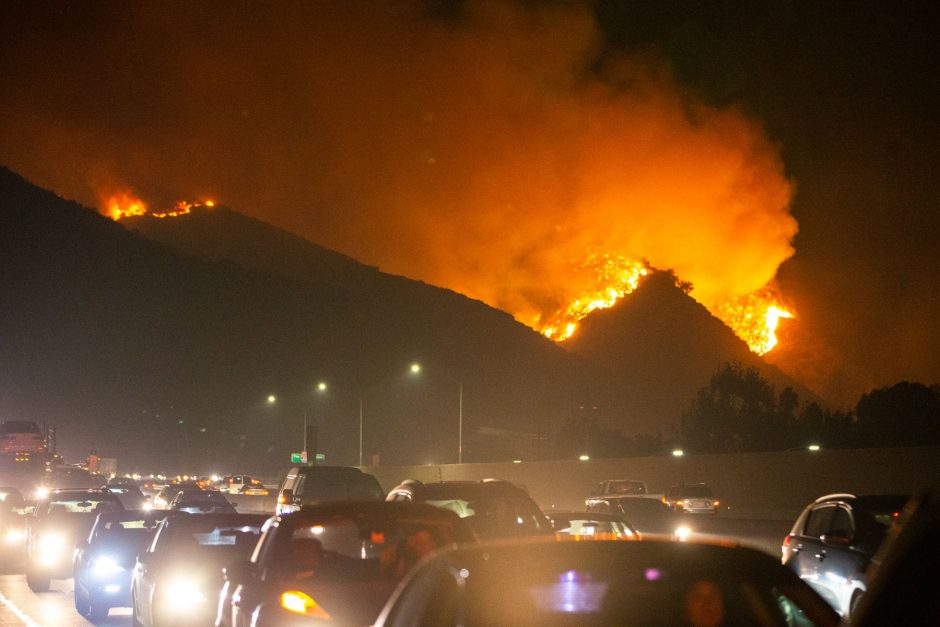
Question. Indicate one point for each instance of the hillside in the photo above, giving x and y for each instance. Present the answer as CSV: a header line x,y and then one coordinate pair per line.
x,y
655,345
160,357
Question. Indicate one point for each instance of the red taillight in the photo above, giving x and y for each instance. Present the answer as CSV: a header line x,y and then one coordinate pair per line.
x,y
786,542
716,502
664,500
679,503
281,499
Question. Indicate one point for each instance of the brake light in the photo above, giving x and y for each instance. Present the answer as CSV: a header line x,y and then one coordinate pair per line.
x,y
716,502
664,500
680,503
281,499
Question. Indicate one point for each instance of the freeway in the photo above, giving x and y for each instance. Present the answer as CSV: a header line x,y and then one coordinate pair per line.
x,y
20,606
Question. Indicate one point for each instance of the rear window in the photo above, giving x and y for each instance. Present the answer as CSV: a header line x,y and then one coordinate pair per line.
x,y
238,539
324,487
80,506
697,491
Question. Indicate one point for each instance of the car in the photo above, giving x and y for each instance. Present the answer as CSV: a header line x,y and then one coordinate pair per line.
x,y
179,577
58,523
71,477
617,487
201,502
103,562
545,582
592,526
493,508
238,484
650,517
309,485
833,541
131,496
691,498
336,560
167,493
903,578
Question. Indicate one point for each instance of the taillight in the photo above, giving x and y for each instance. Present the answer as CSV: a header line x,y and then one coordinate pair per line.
x,y
679,503
716,502
281,499
664,500
785,547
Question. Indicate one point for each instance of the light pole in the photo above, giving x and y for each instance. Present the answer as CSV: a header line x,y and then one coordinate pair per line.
x,y
415,369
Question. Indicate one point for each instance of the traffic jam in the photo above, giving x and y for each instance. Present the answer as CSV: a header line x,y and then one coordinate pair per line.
x,y
326,545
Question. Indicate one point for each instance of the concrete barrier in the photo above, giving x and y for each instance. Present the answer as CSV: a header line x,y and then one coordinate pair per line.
x,y
253,504
763,486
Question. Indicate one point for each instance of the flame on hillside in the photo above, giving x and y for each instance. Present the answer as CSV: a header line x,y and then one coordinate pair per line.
x,y
752,317
126,205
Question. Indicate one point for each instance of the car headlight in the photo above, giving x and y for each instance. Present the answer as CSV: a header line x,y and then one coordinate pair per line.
x,y
147,506
50,548
182,593
104,566
301,603
41,493
683,533
14,536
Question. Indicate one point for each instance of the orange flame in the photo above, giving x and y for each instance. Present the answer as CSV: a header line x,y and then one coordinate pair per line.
x,y
125,204
616,277
752,317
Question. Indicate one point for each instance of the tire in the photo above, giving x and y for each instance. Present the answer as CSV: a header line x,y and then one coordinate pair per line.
x,y
37,583
82,606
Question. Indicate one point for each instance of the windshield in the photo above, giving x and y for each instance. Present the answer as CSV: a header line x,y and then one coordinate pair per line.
x,y
324,487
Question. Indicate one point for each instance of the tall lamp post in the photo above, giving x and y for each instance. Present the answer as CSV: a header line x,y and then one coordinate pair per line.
x,y
416,368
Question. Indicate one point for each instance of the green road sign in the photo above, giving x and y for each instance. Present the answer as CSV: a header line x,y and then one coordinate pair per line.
x,y
298,458
321,457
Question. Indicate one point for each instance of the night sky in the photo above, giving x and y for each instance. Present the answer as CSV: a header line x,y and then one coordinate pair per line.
x,y
494,148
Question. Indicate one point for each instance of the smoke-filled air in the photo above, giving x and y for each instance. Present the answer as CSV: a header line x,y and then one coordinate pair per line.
x,y
484,147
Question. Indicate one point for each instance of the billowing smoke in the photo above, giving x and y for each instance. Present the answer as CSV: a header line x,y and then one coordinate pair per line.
x,y
486,147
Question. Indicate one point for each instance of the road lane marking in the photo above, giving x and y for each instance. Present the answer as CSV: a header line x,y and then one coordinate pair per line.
x,y
20,614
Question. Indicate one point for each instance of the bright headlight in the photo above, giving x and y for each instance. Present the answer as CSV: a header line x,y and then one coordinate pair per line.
x,y
106,566
301,603
41,493
683,533
147,506
181,593
14,536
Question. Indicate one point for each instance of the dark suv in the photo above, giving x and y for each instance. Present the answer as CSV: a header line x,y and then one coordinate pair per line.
x,y
493,508
833,541
309,485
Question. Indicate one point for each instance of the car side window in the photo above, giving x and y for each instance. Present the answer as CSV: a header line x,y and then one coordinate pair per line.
x,y
842,523
819,521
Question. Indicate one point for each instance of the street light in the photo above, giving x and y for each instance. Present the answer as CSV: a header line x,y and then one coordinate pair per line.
x,y
271,399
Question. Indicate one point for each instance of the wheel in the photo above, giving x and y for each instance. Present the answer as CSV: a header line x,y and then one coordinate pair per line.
x,y
37,583
82,606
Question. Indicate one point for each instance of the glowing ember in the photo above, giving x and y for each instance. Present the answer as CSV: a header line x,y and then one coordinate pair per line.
x,y
616,276
754,318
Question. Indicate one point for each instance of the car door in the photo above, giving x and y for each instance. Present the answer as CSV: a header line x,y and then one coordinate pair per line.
x,y
809,549
840,565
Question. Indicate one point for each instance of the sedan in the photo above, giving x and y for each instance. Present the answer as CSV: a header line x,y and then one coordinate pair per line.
x,y
538,582
334,562
177,580
103,563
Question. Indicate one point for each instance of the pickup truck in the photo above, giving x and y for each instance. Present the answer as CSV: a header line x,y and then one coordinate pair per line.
x,y
620,487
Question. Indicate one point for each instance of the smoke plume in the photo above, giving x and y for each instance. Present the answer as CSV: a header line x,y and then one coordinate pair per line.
x,y
488,147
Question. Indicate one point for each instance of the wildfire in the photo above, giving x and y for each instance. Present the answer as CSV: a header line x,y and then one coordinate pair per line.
x,y
753,317
125,205
616,277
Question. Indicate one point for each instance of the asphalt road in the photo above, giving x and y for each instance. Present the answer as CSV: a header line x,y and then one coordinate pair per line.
x,y
21,606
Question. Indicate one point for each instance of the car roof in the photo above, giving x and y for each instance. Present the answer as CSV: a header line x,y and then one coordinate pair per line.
x,y
182,519
131,514
77,492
